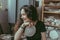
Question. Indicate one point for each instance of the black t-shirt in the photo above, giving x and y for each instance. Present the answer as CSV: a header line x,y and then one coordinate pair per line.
x,y
40,27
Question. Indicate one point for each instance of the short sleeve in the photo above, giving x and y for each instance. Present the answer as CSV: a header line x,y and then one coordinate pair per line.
x,y
42,27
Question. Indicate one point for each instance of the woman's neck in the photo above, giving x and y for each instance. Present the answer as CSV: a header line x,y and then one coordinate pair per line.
x,y
33,23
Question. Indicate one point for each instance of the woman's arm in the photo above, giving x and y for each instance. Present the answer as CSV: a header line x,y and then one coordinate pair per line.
x,y
20,31
43,35
18,23
16,26
18,34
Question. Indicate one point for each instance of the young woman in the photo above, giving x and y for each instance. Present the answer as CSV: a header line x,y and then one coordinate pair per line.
x,y
31,28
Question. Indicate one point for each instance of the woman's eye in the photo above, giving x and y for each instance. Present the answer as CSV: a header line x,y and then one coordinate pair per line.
x,y
23,14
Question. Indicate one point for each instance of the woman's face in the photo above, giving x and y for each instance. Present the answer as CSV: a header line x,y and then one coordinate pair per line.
x,y
24,15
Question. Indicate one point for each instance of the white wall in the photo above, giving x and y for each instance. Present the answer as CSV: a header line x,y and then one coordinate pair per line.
x,y
11,11
39,8
40,3
4,4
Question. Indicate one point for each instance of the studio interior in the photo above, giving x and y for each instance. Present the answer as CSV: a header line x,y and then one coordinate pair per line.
x,y
48,12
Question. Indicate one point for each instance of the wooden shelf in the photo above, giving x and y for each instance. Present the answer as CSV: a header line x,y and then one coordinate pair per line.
x,y
56,7
54,10
55,0
47,12
52,26
46,1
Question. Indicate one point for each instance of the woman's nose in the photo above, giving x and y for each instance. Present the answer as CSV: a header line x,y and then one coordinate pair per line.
x,y
22,17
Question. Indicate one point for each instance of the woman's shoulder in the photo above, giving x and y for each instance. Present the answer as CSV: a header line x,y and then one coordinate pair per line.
x,y
40,22
41,26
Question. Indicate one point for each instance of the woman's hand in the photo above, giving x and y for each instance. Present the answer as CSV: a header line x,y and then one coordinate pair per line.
x,y
25,24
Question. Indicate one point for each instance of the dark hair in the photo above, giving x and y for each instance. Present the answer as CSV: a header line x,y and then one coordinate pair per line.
x,y
31,12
